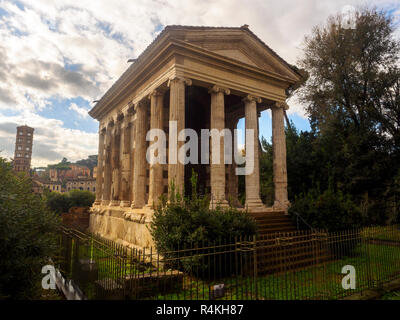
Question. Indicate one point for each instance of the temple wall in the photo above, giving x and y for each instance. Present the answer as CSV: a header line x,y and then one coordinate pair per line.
x,y
127,228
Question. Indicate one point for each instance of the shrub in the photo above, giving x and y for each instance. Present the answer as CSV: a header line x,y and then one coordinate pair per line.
x,y
27,235
331,211
57,202
81,198
188,222
62,202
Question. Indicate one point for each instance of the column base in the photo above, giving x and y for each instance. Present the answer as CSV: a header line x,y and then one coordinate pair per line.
x,y
105,202
254,205
219,203
97,203
114,203
137,206
281,205
125,203
150,206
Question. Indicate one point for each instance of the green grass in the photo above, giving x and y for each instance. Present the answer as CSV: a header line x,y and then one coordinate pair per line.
x,y
391,233
374,264
316,282
394,295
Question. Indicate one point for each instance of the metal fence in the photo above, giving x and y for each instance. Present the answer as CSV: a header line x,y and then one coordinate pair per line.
x,y
283,266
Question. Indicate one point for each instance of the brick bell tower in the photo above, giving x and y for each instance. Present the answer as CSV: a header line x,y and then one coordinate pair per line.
x,y
23,149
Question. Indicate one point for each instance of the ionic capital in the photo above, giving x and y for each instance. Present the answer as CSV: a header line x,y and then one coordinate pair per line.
x,y
157,92
218,89
143,103
177,79
131,110
251,98
110,123
120,116
282,105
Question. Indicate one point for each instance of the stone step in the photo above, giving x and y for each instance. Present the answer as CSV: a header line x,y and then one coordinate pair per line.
x,y
271,219
293,250
269,216
275,224
291,265
287,255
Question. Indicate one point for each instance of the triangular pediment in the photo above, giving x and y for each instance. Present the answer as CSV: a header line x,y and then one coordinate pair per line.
x,y
236,55
239,44
228,44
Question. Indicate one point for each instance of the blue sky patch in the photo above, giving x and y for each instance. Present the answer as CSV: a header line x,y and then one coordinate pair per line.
x,y
59,109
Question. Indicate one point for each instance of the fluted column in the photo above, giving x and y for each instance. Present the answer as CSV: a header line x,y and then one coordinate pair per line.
x,y
115,163
156,170
107,166
139,173
232,181
100,159
176,169
132,156
279,157
126,159
217,170
252,180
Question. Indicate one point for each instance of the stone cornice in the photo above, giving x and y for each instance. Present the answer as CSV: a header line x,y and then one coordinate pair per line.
x,y
161,50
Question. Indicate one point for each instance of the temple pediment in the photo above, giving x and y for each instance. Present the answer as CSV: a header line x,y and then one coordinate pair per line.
x,y
236,55
239,44
232,57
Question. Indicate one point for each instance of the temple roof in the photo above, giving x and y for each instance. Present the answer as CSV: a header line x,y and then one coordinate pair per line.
x,y
238,44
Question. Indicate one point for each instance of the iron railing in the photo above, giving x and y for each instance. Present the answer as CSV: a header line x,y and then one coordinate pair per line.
x,y
284,266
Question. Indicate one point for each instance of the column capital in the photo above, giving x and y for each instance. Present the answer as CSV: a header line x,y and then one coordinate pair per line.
x,y
145,102
157,92
120,117
282,105
186,81
216,89
251,98
110,123
131,110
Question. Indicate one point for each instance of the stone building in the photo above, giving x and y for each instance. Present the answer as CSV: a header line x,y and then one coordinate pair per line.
x,y
73,171
88,184
40,184
201,78
23,149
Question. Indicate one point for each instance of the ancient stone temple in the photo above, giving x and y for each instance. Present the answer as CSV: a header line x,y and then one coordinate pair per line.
x,y
190,78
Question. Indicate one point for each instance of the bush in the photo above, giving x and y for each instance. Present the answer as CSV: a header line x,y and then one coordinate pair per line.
x,y
187,222
331,211
81,198
62,202
28,235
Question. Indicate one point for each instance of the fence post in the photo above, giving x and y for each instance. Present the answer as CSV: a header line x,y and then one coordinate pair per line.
x,y
255,271
365,239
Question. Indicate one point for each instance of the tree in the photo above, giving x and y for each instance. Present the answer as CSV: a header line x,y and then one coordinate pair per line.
x,y
28,235
62,202
352,99
351,70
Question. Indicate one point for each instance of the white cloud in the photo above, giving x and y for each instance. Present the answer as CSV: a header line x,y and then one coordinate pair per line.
x,y
51,141
64,49
82,112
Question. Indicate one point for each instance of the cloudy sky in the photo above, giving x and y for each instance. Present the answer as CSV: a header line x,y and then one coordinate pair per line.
x,y
57,56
